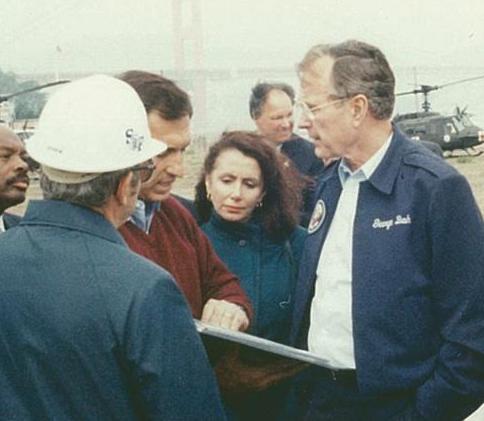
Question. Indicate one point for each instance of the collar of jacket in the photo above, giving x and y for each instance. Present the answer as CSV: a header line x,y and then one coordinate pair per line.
x,y
70,216
10,220
293,140
245,229
298,149
385,175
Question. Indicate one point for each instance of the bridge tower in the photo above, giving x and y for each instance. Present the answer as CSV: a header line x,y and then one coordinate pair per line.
x,y
188,53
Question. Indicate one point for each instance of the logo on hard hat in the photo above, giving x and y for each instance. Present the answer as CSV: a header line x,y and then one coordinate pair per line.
x,y
134,140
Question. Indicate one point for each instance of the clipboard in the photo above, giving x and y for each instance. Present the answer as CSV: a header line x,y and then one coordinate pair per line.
x,y
261,344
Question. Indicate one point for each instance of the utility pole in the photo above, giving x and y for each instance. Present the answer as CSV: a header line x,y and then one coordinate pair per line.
x,y
188,51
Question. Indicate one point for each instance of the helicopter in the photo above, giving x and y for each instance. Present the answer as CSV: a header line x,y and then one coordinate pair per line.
x,y
454,132
8,114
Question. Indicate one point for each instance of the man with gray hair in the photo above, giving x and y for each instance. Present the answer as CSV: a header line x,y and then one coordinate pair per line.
x,y
89,329
391,284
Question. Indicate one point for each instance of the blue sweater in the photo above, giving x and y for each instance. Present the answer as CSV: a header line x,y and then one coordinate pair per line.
x,y
267,270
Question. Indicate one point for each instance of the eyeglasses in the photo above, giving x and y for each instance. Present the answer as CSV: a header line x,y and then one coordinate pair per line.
x,y
145,170
303,110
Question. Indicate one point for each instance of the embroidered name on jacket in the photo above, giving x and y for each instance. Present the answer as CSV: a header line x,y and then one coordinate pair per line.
x,y
390,223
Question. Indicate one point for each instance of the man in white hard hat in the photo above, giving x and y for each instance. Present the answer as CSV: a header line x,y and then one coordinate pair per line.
x,y
162,230
89,329
14,180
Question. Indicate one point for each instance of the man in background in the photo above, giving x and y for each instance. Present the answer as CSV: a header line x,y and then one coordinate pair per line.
x,y
14,179
89,329
391,285
162,230
271,106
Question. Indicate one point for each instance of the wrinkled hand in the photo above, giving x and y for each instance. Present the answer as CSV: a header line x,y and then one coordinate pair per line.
x,y
224,314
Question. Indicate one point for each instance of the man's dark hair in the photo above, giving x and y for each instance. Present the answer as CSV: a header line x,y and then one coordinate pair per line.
x,y
159,94
359,68
279,212
261,91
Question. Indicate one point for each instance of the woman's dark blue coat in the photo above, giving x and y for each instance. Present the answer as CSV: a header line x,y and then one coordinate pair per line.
x,y
267,270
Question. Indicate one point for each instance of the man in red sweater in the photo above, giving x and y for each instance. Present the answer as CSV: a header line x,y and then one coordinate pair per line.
x,y
162,230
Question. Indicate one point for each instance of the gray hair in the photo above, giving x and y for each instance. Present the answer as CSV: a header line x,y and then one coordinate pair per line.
x,y
93,193
359,68
261,91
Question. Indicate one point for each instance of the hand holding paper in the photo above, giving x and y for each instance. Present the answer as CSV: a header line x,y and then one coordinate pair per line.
x,y
223,314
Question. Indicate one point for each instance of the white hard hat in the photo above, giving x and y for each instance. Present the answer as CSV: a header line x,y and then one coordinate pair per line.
x,y
91,126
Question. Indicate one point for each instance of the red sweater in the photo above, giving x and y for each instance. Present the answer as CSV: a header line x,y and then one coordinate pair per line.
x,y
176,243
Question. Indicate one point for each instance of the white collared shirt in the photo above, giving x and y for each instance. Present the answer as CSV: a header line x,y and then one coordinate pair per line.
x,y
2,225
331,327
143,214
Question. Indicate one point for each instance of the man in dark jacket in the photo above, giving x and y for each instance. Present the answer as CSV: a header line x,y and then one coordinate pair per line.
x,y
14,180
89,329
391,284
271,107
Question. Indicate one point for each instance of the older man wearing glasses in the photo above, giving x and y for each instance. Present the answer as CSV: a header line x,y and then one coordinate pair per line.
x,y
89,329
391,285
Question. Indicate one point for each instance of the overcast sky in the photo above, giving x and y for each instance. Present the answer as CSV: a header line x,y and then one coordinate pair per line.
x,y
113,35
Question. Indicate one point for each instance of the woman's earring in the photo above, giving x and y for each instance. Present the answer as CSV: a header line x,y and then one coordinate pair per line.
x,y
259,204
209,197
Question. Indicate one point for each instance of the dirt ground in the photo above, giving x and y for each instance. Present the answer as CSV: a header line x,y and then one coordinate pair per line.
x,y
471,168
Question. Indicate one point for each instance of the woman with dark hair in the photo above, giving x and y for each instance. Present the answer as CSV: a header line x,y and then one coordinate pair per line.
x,y
248,204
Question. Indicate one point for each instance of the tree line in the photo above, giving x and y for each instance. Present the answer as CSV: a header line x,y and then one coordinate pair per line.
x,y
27,106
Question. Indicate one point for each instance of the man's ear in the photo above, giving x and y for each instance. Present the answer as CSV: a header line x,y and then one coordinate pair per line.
x,y
359,109
124,189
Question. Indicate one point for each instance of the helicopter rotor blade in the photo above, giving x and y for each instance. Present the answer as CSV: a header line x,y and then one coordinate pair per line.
x,y
425,89
35,88
461,81
415,91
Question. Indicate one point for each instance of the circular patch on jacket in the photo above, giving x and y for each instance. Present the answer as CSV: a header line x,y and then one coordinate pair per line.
x,y
317,217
